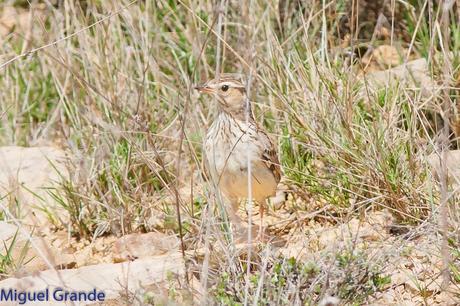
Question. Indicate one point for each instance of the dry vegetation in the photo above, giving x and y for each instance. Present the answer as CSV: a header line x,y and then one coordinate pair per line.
x,y
110,82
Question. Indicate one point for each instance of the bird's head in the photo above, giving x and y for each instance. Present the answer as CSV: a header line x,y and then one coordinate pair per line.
x,y
229,91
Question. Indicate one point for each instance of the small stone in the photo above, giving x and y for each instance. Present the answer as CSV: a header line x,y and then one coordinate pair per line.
x,y
136,246
156,221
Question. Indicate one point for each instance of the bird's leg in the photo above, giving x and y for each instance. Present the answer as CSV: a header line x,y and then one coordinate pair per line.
x,y
232,210
261,213
239,227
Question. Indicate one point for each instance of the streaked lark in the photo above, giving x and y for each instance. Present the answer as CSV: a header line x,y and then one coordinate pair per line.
x,y
232,138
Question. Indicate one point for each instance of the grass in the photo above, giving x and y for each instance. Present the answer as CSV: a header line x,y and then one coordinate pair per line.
x,y
115,97
13,256
350,276
6,259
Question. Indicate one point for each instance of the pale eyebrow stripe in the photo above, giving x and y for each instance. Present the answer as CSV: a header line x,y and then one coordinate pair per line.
x,y
232,82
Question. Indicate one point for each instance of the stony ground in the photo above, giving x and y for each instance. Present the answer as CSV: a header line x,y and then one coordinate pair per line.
x,y
147,262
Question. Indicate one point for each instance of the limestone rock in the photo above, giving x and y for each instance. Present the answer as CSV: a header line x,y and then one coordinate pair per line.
x,y
113,279
136,246
374,230
26,176
413,75
452,163
382,57
30,254
13,19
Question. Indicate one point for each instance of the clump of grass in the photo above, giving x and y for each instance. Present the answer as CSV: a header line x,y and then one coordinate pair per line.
x,y
365,149
113,199
11,259
6,259
350,276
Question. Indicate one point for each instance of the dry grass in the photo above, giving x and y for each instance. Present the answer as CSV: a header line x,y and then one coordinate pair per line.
x,y
117,96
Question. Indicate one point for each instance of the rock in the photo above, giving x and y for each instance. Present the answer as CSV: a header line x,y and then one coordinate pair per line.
x,y
414,74
136,246
84,257
448,297
21,20
372,230
113,279
452,163
401,277
329,301
30,254
297,247
7,231
26,174
380,220
156,220
383,57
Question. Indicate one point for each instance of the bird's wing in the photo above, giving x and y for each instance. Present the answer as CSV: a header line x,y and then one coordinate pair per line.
x,y
269,156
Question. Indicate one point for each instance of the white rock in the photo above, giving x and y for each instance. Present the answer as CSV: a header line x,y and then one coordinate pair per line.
x,y
7,231
30,254
329,301
113,279
25,175
414,75
452,163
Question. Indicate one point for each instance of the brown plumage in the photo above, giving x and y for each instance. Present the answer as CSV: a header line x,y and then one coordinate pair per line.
x,y
230,140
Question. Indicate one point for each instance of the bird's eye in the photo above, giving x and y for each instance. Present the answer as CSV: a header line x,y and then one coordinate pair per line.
x,y
224,87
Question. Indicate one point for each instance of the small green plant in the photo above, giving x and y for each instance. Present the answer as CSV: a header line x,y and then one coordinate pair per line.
x,y
352,278
6,260
361,277
10,258
455,263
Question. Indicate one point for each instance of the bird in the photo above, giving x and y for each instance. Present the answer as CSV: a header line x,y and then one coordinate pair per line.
x,y
233,137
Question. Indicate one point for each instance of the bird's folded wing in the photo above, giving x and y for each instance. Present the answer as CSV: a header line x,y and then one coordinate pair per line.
x,y
270,157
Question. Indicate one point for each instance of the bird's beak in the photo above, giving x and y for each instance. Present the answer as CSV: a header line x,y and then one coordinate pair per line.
x,y
204,89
